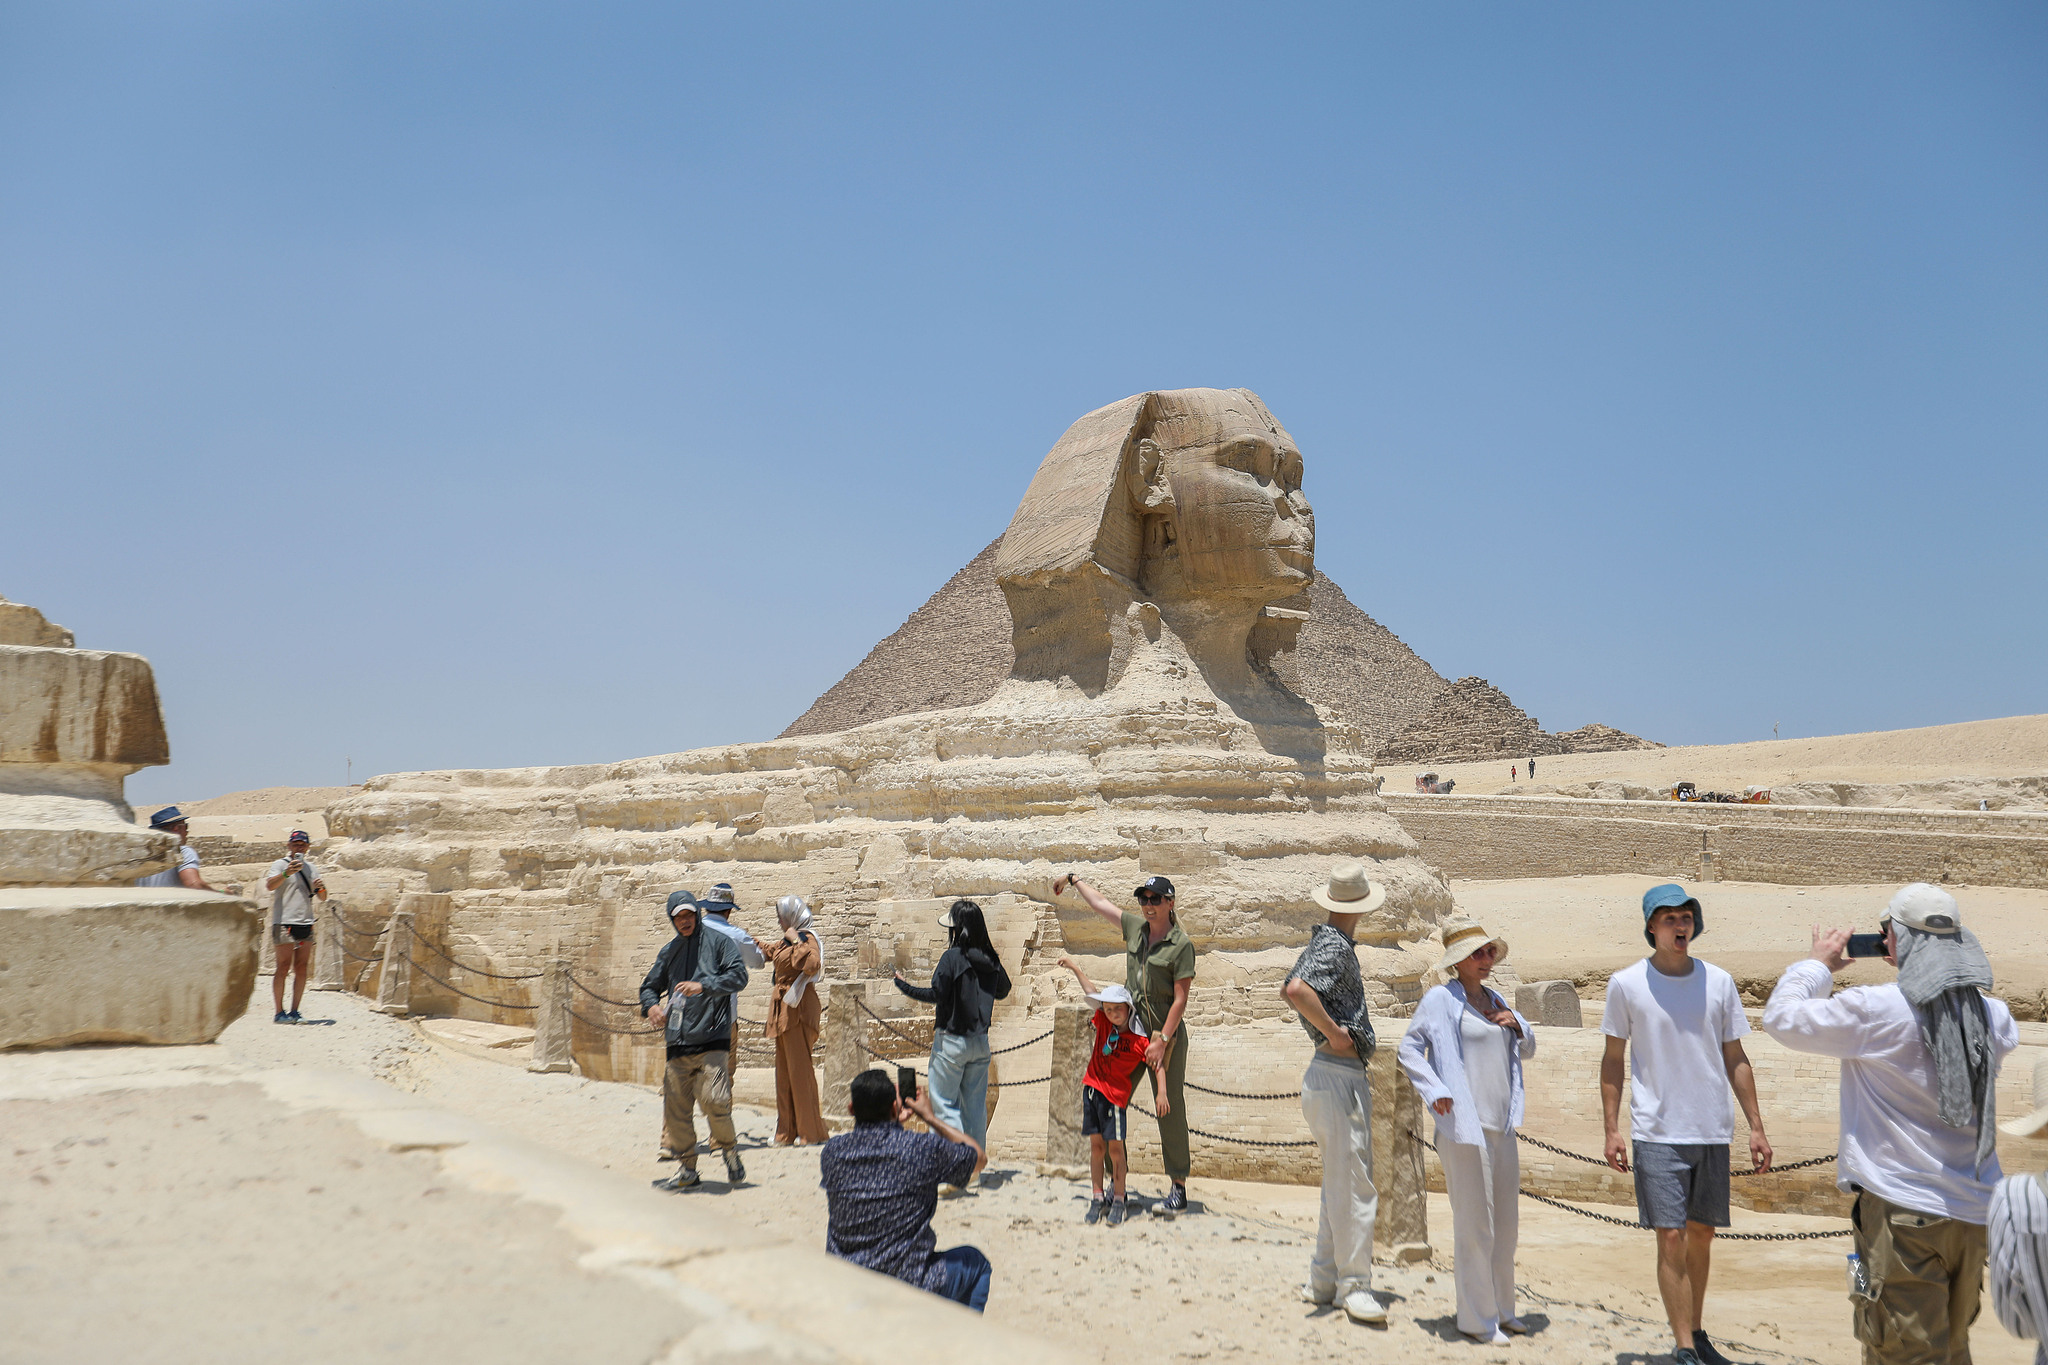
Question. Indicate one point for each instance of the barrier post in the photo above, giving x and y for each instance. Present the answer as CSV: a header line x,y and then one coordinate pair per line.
x,y
328,964
1066,1150
551,1020
840,1032
1403,1222
394,988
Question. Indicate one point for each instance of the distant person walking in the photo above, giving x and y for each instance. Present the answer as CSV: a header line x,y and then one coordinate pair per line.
x,y
1159,970
965,986
1511,772
1327,991
688,992
186,873
1464,1052
793,1012
1677,1023
293,883
1532,769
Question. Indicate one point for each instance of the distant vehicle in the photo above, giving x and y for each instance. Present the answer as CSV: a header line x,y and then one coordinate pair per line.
x,y
1751,796
1430,785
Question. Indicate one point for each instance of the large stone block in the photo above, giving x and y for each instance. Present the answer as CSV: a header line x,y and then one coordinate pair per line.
x,y
123,965
79,706
1555,1003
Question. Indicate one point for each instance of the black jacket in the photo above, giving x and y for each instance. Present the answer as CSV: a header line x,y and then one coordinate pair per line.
x,y
697,1023
965,987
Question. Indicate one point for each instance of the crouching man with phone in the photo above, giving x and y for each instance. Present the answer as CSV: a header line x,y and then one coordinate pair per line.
x,y
882,1187
1920,1061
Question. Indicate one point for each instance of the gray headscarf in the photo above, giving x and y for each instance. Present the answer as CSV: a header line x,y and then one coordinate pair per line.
x,y
1943,977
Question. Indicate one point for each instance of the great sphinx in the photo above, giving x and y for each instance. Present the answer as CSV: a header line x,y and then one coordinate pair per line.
x,y
1156,570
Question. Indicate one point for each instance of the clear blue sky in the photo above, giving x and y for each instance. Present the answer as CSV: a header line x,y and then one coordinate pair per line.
x,y
500,384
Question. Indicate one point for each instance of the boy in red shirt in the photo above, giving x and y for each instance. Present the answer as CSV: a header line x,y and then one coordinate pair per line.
x,y
1113,1066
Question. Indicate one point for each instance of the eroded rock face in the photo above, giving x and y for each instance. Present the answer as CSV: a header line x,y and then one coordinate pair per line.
x,y
1156,571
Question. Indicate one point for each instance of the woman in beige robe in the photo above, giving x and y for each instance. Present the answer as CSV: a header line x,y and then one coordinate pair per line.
x,y
799,964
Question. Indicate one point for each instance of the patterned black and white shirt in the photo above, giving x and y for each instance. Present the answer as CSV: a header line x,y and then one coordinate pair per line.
x,y
881,1189
1329,964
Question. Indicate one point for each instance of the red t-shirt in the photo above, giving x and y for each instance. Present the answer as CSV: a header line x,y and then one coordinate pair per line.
x,y
1113,1067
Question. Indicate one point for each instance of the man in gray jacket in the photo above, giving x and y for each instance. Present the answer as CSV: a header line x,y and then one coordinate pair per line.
x,y
690,990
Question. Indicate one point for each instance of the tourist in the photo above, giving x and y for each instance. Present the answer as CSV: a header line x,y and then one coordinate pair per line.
x,y
1684,1018
1464,1052
688,992
965,986
293,883
2018,1236
1114,1061
716,909
1920,1061
793,1024
186,873
1159,969
1327,992
881,1186
1532,769
1512,769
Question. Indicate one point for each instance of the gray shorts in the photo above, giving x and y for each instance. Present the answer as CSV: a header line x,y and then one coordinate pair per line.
x,y
1678,1185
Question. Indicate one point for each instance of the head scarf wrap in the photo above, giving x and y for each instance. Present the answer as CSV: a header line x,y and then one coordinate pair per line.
x,y
1943,977
792,913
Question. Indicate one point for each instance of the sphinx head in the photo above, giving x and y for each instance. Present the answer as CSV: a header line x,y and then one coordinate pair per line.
x,y
1186,500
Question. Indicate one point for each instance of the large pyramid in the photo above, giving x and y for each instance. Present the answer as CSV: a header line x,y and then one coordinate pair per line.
x,y
955,650
1472,720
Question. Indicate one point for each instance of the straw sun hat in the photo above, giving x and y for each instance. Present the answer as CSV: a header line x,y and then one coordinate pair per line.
x,y
1350,891
1463,937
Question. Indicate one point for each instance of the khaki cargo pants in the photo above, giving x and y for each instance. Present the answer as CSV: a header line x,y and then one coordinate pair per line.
x,y
703,1078
1926,1276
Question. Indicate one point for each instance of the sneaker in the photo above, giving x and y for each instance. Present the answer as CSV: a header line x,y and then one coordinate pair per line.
x,y
280,1019
735,1169
1176,1202
1322,1298
665,1154
1094,1214
685,1179
1361,1306
1685,1355
1499,1338
1705,1350
1119,1211
293,1017
1514,1326
950,1191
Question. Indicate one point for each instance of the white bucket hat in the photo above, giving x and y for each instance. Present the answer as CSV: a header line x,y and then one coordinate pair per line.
x,y
1463,937
1112,995
1350,891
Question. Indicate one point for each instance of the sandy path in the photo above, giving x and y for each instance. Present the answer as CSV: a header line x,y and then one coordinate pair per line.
x,y
1215,1285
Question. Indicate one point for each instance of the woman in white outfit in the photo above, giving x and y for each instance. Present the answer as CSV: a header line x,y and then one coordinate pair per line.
x,y
1464,1052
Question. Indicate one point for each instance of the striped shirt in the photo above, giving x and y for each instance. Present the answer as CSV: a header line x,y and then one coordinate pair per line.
x,y
2019,1259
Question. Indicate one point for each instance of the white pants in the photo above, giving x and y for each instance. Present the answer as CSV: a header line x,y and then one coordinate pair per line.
x,y
1337,1102
1483,1183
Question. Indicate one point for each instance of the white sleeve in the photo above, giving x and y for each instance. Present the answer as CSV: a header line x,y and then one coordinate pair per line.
x,y
187,857
1734,1023
1802,1016
1614,1020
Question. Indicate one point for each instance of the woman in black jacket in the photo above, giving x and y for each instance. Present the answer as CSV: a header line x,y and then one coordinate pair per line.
x,y
965,986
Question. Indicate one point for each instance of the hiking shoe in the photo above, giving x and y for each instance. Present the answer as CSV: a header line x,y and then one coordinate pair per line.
x,y
1705,1350
665,1154
685,1179
1321,1298
1094,1214
1361,1306
281,1018
1176,1202
1119,1211
294,1017
735,1169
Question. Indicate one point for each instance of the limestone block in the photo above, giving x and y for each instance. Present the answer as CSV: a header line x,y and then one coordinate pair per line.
x,y
1554,1003
1397,1166
1066,1148
551,1026
79,706
55,841
123,965
394,984
21,624
840,1031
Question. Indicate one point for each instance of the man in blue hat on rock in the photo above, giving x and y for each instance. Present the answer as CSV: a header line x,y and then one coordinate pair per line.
x,y
1684,1019
186,874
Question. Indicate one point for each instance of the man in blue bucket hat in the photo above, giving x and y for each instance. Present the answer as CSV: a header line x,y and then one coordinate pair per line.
x,y
1685,1020
186,874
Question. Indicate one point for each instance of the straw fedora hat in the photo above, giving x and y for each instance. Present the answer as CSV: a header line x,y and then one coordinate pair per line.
x,y
2030,1125
1463,937
1350,891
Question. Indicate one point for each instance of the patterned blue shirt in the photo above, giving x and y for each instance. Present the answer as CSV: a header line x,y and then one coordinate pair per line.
x,y
881,1188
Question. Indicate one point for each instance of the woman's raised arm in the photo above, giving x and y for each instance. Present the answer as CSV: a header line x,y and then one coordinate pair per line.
x,y
1097,902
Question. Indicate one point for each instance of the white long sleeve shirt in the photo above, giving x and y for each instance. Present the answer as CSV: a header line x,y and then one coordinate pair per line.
x,y
750,951
1894,1143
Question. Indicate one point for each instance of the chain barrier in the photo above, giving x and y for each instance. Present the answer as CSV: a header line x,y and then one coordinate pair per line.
x,y
495,1004
997,1052
604,999
1596,1161
1234,1095
361,957
1000,1082
342,920
1218,1137
607,1028
1018,1047
464,966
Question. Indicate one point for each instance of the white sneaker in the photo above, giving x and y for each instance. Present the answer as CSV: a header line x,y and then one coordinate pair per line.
x,y
1361,1306
1499,1338
1321,1297
1514,1325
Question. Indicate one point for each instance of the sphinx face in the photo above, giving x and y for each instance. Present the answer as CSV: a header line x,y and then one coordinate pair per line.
x,y
1244,526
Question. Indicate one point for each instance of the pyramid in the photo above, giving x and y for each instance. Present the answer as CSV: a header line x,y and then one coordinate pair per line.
x,y
955,651
1472,720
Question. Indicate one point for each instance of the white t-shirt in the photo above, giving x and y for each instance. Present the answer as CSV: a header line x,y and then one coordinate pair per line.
x,y
1675,1026
292,903
186,858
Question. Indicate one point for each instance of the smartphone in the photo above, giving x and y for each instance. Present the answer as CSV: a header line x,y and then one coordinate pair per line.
x,y
1866,945
906,1082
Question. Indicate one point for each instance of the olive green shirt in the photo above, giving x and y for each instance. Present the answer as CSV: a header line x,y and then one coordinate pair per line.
x,y
1149,972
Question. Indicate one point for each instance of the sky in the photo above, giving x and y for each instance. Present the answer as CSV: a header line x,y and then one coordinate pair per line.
x,y
482,385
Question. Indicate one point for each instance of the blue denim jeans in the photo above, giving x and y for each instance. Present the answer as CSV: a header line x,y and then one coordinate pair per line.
x,y
967,1276
958,1079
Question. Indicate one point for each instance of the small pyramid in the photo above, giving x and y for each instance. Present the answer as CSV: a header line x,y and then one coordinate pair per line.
x,y
1469,721
955,651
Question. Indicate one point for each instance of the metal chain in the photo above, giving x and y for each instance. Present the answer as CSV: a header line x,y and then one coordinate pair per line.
x,y
1018,1047
997,1052
607,1028
606,999
1596,1161
1000,1082
496,1004
361,957
1218,1137
1234,1095
342,920
495,976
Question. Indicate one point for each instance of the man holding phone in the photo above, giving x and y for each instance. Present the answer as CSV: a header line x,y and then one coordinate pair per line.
x,y
293,883
1920,1060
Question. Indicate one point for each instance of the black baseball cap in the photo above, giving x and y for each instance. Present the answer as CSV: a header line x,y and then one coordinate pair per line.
x,y
1155,886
